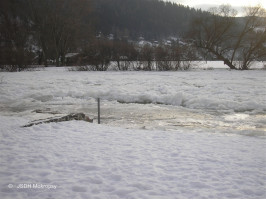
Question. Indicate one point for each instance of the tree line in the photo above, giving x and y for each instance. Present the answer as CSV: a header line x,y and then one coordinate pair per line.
x,y
99,54
43,32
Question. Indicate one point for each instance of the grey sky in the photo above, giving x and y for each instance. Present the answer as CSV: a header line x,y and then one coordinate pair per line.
x,y
210,3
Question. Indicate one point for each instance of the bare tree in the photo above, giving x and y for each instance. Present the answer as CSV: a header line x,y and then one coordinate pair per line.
x,y
97,55
252,38
15,36
146,56
213,30
163,58
122,54
220,35
57,24
40,13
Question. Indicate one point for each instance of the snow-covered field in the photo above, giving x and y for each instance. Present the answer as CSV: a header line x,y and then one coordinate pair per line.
x,y
188,134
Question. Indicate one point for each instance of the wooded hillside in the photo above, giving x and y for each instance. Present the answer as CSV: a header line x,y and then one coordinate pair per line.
x,y
151,19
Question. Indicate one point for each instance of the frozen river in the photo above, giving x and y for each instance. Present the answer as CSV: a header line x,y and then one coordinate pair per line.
x,y
167,117
216,100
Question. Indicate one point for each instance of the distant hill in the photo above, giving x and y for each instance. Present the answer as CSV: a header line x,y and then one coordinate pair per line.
x,y
151,19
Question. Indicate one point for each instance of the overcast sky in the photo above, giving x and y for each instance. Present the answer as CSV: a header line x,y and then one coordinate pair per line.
x,y
205,4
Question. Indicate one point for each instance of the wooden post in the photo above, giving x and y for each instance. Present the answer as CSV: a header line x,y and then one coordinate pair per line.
x,y
99,109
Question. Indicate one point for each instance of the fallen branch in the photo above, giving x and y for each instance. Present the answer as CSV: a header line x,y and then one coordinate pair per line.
x,y
78,116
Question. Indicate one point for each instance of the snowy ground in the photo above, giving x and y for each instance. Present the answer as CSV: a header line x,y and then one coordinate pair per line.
x,y
194,134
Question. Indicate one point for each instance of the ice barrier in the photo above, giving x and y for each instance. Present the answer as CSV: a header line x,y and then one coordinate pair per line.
x,y
177,99
183,99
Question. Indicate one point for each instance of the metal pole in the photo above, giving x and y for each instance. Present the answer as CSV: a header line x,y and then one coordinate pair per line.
x,y
99,114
